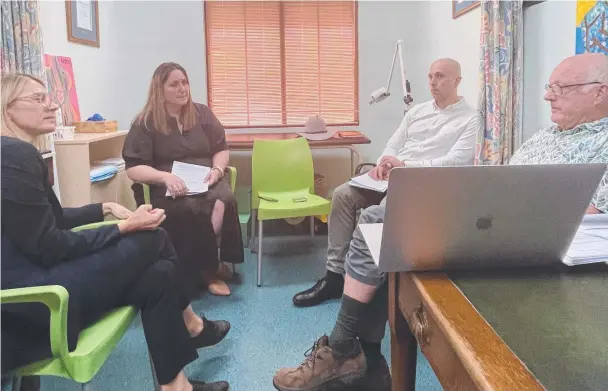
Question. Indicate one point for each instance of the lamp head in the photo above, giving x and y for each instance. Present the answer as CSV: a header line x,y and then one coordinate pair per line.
x,y
379,95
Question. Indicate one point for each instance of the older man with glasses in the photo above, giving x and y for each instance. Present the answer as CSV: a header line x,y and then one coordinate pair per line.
x,y
578,94
351,357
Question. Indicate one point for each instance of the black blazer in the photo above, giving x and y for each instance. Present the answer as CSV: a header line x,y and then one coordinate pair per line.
x,y
36,237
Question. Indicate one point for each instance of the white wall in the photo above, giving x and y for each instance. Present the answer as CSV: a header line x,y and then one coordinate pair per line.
x,y
437,35
136,36
429,33
549,37
94,68
153,32
381,24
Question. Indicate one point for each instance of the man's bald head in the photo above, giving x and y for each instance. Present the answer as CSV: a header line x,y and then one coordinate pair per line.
x,y
444,78
449,65
579,90
584,68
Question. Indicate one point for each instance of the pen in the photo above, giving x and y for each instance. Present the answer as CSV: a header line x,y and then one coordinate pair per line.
x,y
268,199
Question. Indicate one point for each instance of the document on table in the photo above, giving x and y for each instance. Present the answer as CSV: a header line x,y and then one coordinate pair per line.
x,y
193,176
372,233
366,182
590,244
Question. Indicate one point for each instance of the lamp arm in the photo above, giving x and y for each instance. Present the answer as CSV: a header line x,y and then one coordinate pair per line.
x,y
405,84
383,93
390,75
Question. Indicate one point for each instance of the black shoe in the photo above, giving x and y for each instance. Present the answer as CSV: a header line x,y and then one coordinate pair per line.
x,y
202,386
323,290
377,378
213,332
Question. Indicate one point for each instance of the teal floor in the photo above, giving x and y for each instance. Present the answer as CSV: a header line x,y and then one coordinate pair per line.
x,y
268,332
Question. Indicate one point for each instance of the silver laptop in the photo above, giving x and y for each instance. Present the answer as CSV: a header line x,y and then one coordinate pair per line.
x,y
441,218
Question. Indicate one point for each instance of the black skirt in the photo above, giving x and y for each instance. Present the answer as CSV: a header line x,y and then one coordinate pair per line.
x,y
189,226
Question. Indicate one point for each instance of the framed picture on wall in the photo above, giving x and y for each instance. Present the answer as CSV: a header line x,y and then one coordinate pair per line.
x,y
461,7
82,18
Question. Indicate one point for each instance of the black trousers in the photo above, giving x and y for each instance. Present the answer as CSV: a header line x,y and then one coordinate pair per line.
x,y
139,270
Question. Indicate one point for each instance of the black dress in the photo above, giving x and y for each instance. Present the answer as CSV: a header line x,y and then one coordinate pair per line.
x,y
189,218
101,269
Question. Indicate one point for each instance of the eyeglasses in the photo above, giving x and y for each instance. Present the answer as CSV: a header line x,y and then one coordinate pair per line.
x,y
559,90
42,98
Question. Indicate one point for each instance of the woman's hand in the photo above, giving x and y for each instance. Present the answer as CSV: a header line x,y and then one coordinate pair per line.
x,y
213,177
116,210
143,219
175,185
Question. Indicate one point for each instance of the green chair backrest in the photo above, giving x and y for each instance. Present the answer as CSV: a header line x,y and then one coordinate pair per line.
x,y
280,166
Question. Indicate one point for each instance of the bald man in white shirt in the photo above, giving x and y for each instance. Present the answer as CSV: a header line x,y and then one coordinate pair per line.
x,y
440,132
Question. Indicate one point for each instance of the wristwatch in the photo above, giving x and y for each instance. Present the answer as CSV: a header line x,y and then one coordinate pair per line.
x,y
219,170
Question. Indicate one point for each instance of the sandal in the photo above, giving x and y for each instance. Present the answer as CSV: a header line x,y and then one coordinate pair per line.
x,y
218,287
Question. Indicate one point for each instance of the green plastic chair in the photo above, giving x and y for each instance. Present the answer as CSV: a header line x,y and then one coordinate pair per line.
x,y
95,343
231,169
283,185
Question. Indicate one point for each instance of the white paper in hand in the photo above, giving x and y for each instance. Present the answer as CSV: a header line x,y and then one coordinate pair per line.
x,y
372,233
366,182
193,176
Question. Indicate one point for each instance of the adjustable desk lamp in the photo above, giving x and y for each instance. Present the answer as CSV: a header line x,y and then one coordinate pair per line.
x,y
382,93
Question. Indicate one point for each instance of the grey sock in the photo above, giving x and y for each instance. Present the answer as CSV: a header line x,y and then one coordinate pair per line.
x,y
343,338
374,326
373,353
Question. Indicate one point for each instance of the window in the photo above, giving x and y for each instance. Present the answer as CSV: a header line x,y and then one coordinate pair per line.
x,y
277,63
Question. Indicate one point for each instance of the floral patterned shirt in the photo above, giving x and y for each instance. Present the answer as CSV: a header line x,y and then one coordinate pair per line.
x,y
586,143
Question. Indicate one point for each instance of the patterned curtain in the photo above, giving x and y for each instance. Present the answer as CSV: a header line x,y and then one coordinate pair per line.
x,y
21,38
500,73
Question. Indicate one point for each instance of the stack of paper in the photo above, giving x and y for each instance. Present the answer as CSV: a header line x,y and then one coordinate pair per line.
x,y
366,182
193,176
117,162
100,173
590,245
372,233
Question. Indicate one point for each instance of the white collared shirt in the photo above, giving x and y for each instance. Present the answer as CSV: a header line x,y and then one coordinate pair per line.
x,y
430,136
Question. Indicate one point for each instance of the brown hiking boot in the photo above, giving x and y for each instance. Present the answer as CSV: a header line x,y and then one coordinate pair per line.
x,y
322,370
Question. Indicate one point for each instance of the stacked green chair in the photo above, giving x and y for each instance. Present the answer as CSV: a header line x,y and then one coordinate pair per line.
x,y
283,186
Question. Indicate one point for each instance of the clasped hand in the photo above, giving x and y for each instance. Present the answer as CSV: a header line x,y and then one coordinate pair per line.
x,y
143,219
116,210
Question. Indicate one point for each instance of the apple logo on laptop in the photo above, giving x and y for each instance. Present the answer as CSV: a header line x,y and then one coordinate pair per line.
x,y
484,223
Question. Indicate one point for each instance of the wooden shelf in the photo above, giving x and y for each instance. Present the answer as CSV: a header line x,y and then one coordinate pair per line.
x,y
75,158
87,138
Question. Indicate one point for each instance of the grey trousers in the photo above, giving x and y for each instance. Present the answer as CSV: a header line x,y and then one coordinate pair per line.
x,y
361,266
359,262
348,253
346,201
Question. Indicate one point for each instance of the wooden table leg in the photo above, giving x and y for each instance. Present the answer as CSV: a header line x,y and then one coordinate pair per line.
x,y
403,344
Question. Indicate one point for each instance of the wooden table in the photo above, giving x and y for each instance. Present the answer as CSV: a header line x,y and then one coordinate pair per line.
x,y
244,142
513,331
